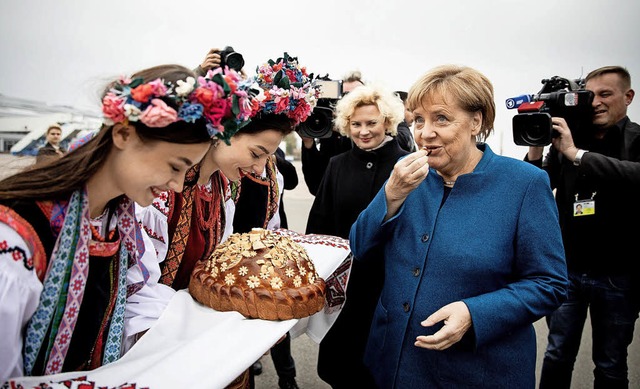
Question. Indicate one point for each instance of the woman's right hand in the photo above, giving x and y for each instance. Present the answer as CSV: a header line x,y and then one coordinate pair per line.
x,y
407,174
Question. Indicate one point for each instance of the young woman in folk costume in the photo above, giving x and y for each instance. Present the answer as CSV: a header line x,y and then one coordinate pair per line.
x,y
187,226
68,233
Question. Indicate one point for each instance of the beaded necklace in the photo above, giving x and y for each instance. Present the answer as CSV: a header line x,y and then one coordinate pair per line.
x,y
95,233
209,206
210,220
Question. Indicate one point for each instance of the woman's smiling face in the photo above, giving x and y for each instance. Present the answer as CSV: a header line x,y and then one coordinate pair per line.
x,y
366,127
142,169
247,153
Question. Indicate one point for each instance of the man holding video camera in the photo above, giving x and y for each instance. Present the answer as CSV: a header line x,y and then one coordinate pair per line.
x,y
600,175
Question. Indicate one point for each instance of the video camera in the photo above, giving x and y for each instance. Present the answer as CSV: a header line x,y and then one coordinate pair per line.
x,y
558,97
320,123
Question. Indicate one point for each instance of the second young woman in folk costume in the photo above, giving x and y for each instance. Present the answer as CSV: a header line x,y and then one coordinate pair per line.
x,y
68,234
186,227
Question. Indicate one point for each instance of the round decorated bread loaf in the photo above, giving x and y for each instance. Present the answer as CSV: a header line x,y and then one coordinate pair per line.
x,y
262,275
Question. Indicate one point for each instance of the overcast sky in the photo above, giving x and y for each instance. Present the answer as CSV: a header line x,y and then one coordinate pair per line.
x,y
64,51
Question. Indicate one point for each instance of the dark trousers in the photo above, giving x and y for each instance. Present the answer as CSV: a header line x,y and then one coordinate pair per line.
x,y
282,360
613,305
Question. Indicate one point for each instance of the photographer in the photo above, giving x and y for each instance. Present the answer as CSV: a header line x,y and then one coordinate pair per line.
x,y
598,174
221,57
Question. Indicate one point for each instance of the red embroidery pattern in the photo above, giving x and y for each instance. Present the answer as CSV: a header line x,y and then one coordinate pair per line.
x,y
152,233
209,211
17,254
336,286
38,260
169,267
336,283
179,242
75,383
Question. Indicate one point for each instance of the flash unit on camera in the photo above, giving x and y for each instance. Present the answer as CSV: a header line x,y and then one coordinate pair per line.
x,y
330,89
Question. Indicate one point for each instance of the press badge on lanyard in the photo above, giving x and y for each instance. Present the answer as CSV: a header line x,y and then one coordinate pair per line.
x,y
584,207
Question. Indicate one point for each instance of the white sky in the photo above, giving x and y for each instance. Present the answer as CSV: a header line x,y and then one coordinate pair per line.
x,y
64,51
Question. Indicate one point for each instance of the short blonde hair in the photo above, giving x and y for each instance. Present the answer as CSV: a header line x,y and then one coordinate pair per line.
x,y
463,85
389,105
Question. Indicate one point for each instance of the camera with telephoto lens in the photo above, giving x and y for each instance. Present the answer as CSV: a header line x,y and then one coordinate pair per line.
x,y
231,58
559,97
320,123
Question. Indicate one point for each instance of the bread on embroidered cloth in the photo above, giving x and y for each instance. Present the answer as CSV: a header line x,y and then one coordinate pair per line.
x,y
262,275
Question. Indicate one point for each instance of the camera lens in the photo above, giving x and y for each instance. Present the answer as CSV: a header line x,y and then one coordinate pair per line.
x,y
532,129
318,125
234,61
536,132
229,57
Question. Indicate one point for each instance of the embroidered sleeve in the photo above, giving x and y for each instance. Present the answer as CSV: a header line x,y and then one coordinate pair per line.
x,y
145,306
163,203
20,291
274,222
153,221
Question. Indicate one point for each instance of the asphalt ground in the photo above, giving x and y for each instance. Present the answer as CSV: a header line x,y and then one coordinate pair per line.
x,y
305,351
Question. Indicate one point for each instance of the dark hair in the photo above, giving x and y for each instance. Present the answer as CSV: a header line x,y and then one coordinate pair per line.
x,y
269,121
402,95
59,177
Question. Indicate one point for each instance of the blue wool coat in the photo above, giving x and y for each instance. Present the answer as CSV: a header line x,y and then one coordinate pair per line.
x,y
496,245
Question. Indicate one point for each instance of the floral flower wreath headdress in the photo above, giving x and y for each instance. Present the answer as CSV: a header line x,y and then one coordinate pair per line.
x,y
285,88
221,97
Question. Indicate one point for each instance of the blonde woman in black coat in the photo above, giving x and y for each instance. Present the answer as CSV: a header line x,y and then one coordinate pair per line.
x,y
369,116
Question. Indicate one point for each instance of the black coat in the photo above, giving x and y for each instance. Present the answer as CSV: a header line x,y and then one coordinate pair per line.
x,y
316,159
351,181
290,178
251,207
603,243
405,137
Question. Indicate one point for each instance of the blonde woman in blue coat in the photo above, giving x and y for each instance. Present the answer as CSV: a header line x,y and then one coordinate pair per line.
x,y
472,246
